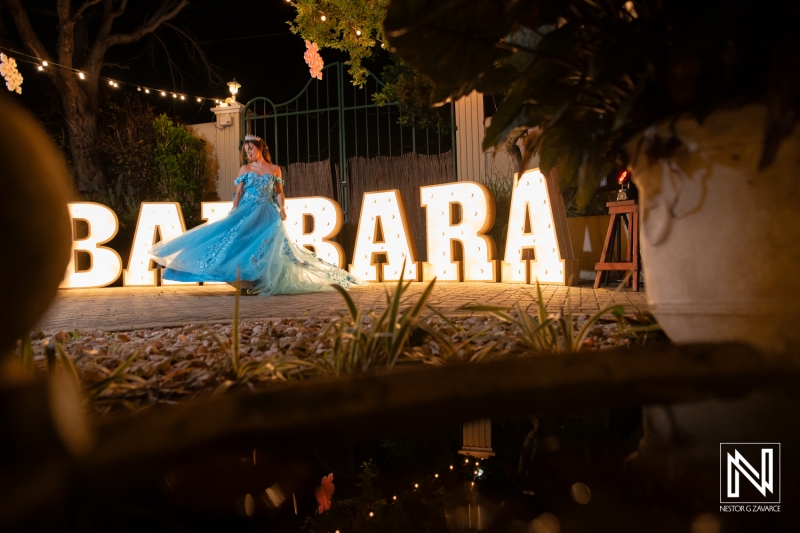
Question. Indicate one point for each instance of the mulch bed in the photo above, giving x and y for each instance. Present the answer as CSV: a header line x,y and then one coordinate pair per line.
x,y
172,365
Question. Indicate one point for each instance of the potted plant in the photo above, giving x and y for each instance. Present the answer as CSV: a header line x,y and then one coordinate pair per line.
x,y
698,99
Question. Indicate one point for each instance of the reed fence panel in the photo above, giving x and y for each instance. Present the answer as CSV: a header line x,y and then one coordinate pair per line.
x,y
407,173
309,179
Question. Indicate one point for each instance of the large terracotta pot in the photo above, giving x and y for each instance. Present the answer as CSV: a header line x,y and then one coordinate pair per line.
x,y
721,252
721,239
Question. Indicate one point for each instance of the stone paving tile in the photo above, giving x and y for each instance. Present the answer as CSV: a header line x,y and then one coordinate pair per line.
x,y
123,308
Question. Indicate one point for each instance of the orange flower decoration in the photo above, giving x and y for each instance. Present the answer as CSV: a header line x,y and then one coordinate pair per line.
x,y
314,60
324,493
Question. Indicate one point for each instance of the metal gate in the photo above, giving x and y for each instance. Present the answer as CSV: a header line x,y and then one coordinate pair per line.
x,y
331,119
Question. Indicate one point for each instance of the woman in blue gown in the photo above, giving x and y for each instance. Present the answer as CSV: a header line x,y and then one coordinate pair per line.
x,y
251,239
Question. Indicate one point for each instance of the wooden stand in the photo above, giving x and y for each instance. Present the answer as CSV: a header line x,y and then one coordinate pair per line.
x,y
618,210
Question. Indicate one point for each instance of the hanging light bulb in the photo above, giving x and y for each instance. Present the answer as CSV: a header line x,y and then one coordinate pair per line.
x,y
81,75
358,32
111,82
40,68
183,97
163,93
139,89
45,63
115,84
147,91
199,99
323,18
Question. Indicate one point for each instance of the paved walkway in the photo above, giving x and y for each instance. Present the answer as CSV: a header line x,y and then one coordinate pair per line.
x,y
126,308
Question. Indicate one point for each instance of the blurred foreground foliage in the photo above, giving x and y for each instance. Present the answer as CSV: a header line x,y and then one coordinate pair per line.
x,y
586,78
356,28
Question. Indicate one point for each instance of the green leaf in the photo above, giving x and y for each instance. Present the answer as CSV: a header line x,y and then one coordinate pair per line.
x,y
351,306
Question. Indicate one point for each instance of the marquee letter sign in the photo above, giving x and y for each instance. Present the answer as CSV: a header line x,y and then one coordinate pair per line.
x,y
383,229
455,213
213,211
326,216
476,207
106,264
553,260
164,218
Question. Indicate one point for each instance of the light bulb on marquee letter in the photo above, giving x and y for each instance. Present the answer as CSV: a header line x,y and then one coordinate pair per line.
x,y
553,258
327,217
106,263
384,210
477,217
165,218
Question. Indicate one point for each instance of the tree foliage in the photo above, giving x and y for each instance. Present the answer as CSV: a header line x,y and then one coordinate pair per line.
x,y
592,75
80,39
352,26
149,158
344,19
412,93
180,165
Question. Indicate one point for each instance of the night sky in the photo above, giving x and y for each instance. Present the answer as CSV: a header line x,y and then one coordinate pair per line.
x,y
250,41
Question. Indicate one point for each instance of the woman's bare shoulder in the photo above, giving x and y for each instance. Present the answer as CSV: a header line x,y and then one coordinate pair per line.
x,y
276,170
244,169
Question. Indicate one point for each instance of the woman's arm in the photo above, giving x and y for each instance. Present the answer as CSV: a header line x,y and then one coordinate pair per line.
x,y
238,195
279,194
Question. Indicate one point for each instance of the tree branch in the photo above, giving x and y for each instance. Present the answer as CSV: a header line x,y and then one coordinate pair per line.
x,y
66,33
170,63
166,12
62,9
79,13
23,24
196,54
94,60
117,65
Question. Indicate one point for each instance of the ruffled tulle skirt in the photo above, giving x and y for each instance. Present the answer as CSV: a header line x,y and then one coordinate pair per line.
x,y
251,241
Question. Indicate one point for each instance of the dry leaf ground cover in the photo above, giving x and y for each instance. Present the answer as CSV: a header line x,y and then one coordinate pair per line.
x,y
135,370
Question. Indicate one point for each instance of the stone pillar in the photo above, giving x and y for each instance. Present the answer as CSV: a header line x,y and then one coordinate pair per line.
x,y
228,146
470,131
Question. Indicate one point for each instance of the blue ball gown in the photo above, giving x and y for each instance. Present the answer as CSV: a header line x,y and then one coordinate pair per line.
x,y
252,238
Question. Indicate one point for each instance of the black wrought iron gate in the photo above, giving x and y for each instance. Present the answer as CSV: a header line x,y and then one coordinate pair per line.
x,y
330,119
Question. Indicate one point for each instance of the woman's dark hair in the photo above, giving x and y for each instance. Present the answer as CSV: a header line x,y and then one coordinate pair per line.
x,y
260,145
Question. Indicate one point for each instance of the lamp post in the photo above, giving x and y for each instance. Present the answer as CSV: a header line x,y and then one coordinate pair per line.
x,y
234,88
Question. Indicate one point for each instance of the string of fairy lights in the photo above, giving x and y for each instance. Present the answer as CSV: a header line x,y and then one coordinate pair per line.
x,y
42,66
324,18
476,475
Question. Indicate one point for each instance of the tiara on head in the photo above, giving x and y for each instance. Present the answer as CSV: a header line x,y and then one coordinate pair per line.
x,y
251,137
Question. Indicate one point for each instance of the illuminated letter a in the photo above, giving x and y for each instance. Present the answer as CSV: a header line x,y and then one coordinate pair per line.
x,y
547,234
